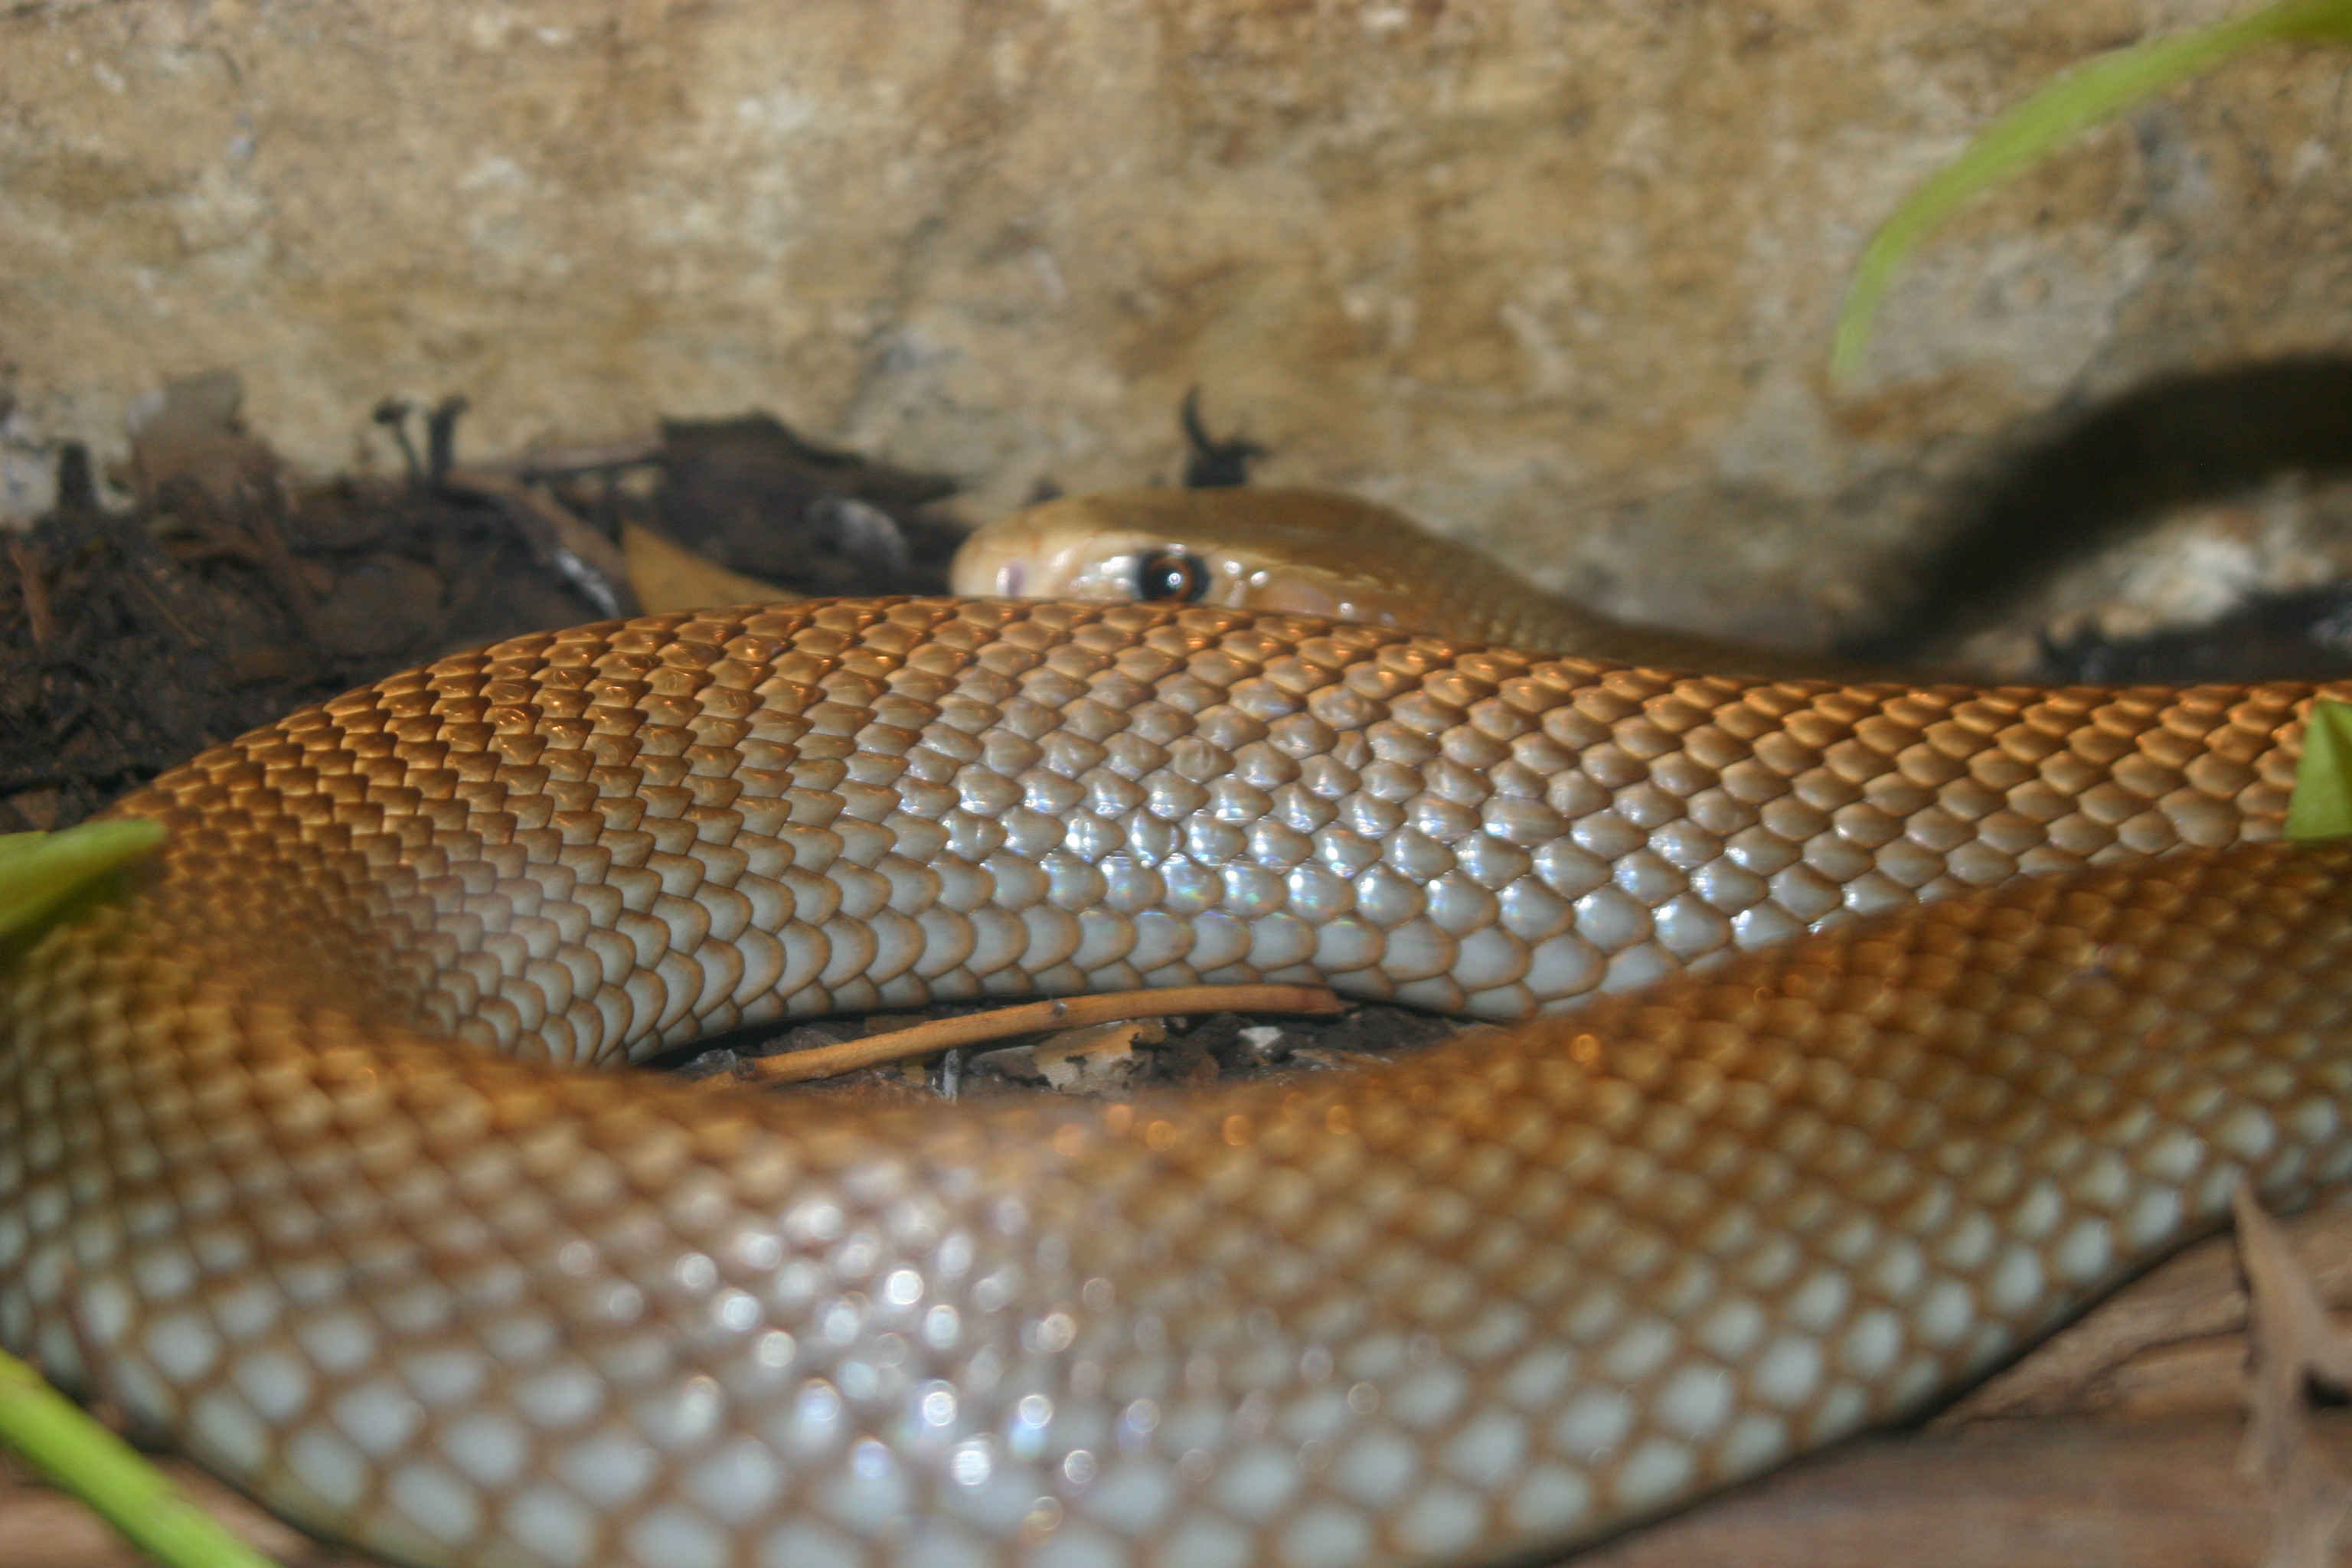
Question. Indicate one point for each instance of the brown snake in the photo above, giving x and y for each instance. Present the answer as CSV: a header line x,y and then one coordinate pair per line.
x,y
300,1163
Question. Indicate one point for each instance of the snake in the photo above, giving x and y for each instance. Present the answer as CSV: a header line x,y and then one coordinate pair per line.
x,y
1842,1036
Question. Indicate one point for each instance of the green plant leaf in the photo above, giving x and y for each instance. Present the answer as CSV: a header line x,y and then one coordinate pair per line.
x,y
2095,90
53,1435
42,873
2321,805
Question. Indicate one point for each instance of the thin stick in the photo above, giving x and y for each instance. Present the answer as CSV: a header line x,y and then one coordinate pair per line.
x,y
590,562
38,613
1034,1017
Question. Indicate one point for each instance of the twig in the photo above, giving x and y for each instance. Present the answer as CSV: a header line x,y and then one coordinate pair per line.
x,y
586,559
137,577
1034,1017
39,615
259,544
441,437
393,415
77,486
278,559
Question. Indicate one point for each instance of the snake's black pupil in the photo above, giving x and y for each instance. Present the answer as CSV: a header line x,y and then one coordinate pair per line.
x,y
1176,575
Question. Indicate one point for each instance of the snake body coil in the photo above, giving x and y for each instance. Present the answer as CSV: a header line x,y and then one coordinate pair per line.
x,y
298,1163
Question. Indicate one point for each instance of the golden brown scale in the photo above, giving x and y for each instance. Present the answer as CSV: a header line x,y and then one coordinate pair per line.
x,y
262,1183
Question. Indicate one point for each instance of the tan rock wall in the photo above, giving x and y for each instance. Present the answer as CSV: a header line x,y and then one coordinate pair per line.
x,y
1556,275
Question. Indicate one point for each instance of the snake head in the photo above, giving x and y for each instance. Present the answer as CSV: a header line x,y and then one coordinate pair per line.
x,y
1291,552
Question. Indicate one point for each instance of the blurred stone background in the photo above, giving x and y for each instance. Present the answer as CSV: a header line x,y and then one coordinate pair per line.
x,y
1555,275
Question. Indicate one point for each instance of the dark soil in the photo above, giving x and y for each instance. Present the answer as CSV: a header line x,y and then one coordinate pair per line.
x,y
225,597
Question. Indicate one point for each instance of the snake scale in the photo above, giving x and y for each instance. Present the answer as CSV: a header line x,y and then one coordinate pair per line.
x,y
302,1165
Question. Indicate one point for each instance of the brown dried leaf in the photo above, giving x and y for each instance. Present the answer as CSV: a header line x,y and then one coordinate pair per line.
x,y
2292,1343
668,576
2170,1343
192,430
1095,1059
2005,1494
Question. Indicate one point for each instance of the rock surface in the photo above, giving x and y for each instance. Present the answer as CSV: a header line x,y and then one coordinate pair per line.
x,y
1557,277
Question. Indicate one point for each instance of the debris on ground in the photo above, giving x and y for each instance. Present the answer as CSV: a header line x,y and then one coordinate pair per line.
x,y
1170,1051
901,1044
1101,1058
666,575
2171,1342
228,593
755,498
2296,1354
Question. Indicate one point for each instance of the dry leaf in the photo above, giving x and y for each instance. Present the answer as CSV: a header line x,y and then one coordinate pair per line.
x,y
2170,1342
192,430
666,575
2006,1494
1094,1059
2294,1343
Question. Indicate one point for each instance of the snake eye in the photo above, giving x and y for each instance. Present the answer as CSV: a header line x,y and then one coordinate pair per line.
x,y
1174,574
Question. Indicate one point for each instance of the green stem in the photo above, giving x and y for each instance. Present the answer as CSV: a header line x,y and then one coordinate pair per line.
x,y
2081,98
53,1435
42,873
